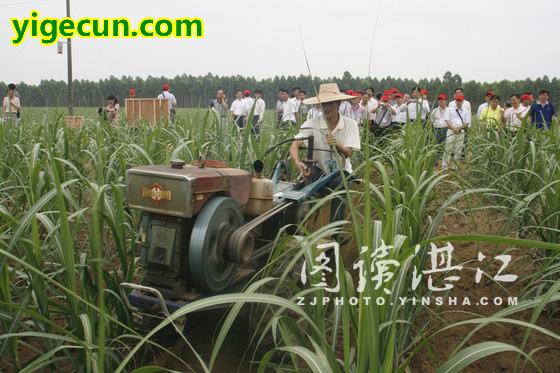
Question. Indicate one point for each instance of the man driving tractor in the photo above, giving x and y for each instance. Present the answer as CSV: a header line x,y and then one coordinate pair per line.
x,y
335,138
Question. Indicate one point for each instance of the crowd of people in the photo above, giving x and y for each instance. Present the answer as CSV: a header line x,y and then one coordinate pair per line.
x,y
390,110
382,113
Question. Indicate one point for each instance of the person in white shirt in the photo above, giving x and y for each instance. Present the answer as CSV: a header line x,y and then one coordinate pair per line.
x,y
437,117
466,105
484,105
10,106
514,115
357,111
289,111
258,114
384,116
335,137
399,119
238,109
345,106
458,119
171,101
418,107
279,107
295,100
303,109
372,107
248,103
315,111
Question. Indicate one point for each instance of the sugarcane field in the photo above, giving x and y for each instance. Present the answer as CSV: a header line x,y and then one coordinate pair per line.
x,y
279,187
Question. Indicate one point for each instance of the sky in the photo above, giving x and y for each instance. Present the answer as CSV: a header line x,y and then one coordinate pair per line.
x,y
480,40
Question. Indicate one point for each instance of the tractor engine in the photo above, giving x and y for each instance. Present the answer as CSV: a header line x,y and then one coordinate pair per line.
x,y
189,215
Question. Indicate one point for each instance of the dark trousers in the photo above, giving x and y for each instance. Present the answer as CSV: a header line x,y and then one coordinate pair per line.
x,y
239,120
338,208
440,135
256,128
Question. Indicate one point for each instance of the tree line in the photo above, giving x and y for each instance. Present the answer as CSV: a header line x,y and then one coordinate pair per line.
x,y
197,91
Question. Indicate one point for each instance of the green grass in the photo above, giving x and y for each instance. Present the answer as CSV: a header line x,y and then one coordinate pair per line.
x,y
67,242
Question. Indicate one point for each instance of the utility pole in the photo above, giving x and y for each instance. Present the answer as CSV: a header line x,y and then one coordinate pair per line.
x,y
69,45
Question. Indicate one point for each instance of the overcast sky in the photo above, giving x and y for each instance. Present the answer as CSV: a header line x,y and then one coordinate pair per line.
x,y
479,39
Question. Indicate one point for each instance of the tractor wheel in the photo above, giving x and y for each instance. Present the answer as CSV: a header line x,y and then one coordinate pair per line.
x,y
208,265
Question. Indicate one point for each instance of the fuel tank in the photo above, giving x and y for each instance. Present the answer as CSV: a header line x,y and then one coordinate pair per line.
x,y
182,189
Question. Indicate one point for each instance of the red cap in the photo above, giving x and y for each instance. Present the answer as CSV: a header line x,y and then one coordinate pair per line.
x,y
442,96
526,97
132,91
459,97
489,93
384,98
423,91
354,94
398,95
350,92
394,90
246,92
388,92
166,87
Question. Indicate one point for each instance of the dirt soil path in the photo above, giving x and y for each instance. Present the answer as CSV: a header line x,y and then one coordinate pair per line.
x,y
440,347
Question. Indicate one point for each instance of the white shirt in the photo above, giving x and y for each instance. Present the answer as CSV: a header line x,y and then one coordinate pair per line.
x,y
384,115
247,105
456,121
481,109
344,108
313,113
296,102
401,113
237,107
7,107
171,101
466,105
260,107
422,105
289,113
346,133
512,121
438,117
373,104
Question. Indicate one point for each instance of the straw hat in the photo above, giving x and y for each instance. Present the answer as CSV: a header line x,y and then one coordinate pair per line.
x,y
327,93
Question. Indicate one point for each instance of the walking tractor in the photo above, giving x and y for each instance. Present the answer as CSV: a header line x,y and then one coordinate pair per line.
x,y
204,226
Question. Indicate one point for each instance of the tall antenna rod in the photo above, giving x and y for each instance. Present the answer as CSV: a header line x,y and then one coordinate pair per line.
x,y
69,45
373,38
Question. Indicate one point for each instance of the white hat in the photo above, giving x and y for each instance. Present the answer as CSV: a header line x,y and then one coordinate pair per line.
x,y
327,93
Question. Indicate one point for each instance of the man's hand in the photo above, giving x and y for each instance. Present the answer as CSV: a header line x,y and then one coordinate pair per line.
x,y
331,140
301,167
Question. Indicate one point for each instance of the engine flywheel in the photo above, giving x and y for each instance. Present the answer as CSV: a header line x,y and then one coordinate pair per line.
x,y
208,265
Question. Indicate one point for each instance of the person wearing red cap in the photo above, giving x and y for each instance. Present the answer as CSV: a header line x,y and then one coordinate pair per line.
x,y
437,118
237,109
399,119
485,104
171,101
418,107
515,114
458,119
384,116
132,93
357,111
465,105
248,103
